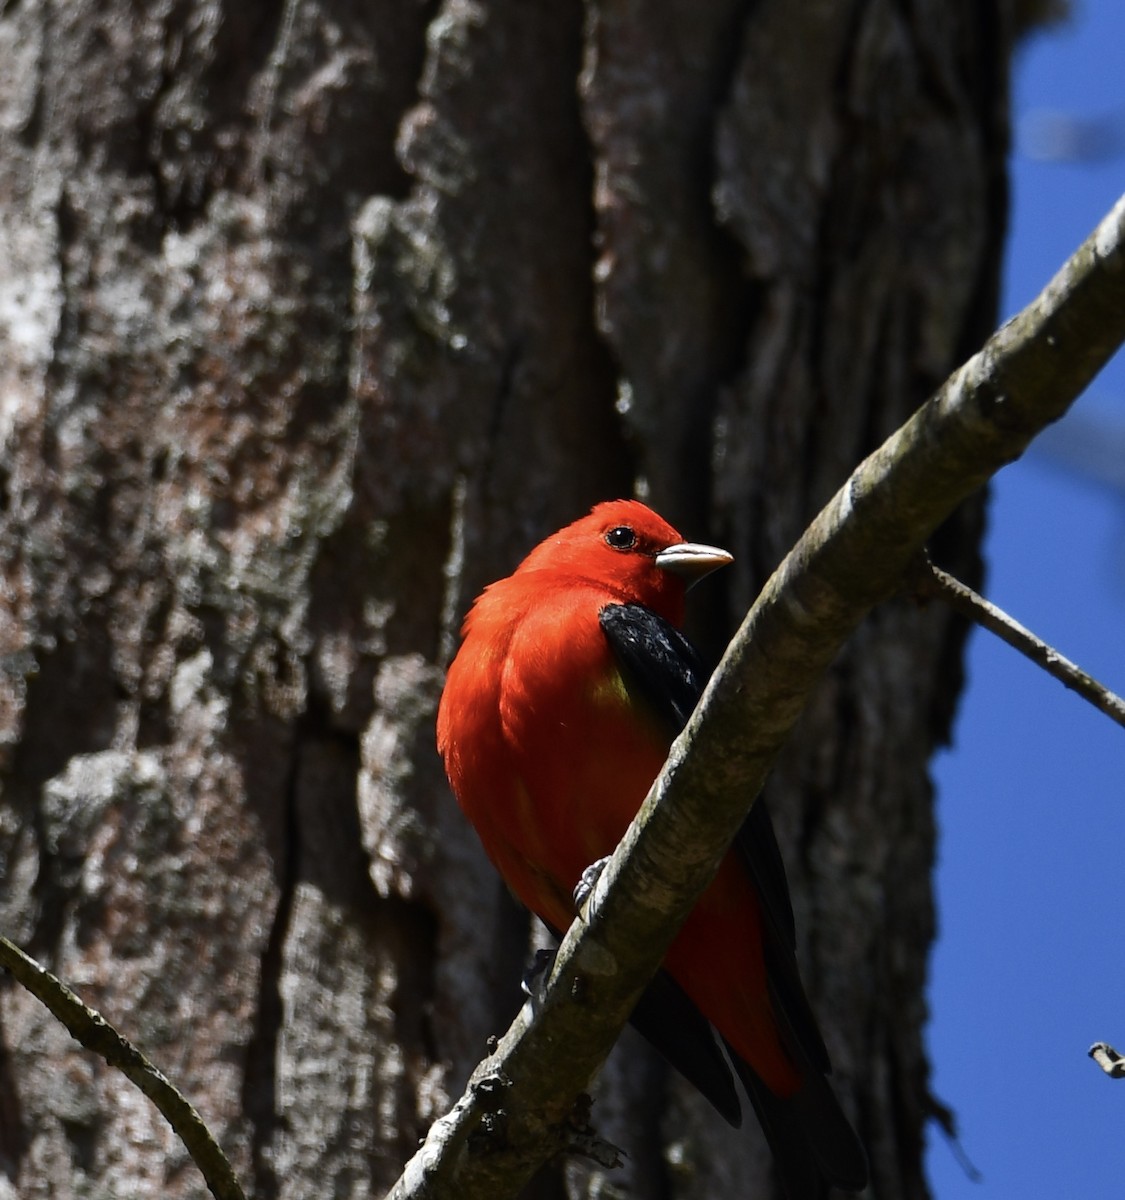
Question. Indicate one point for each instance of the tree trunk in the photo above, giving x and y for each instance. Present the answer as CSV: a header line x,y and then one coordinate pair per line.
x,y
313,318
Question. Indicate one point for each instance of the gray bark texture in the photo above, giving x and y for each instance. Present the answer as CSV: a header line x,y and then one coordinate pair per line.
x,y
316,315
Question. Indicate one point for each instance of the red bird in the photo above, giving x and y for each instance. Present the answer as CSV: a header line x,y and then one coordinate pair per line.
x,y
570,684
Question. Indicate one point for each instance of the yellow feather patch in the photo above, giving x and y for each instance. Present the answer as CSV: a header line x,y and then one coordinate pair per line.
x,y
609,691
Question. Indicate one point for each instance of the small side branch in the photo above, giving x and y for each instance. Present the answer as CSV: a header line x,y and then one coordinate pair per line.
x,y
946,1120
1112,1063
931,581
93,1031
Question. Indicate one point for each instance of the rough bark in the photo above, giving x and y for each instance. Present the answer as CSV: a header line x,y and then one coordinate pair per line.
x,y
313,317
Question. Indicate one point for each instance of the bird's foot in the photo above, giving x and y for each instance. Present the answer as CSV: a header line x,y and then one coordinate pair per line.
x,y
588,882
533,983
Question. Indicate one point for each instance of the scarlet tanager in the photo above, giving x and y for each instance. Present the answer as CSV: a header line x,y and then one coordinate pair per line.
x,y
558,711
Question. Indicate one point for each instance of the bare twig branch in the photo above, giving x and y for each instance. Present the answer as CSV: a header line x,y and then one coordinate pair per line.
x,y
91,1030
1112,1063
853,556
933,581
946,1120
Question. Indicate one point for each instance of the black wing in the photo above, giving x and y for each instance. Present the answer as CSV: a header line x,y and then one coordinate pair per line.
x,y
663,669
658,662
812,1140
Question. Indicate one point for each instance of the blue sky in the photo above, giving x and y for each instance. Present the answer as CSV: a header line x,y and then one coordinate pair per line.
x,y
1029,968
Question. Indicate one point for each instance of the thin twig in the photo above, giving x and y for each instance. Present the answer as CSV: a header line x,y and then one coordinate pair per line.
x,y
929,581
946,1120
94,1032
1108,1059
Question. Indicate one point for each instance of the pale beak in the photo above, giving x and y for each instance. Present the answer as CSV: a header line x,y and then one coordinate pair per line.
x,y
692,560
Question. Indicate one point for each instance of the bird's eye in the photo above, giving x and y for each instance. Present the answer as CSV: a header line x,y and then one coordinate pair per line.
x,y
621,537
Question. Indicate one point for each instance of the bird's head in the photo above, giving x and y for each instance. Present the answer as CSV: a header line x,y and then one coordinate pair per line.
x,y
633,552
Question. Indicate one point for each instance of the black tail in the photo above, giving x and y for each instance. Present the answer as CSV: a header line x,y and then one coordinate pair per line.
x,y
814,1146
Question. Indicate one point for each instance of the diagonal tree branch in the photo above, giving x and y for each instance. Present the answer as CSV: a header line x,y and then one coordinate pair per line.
x,y
517,1110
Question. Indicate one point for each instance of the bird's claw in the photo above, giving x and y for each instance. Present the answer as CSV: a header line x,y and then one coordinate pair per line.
x,y
588,881
534,980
